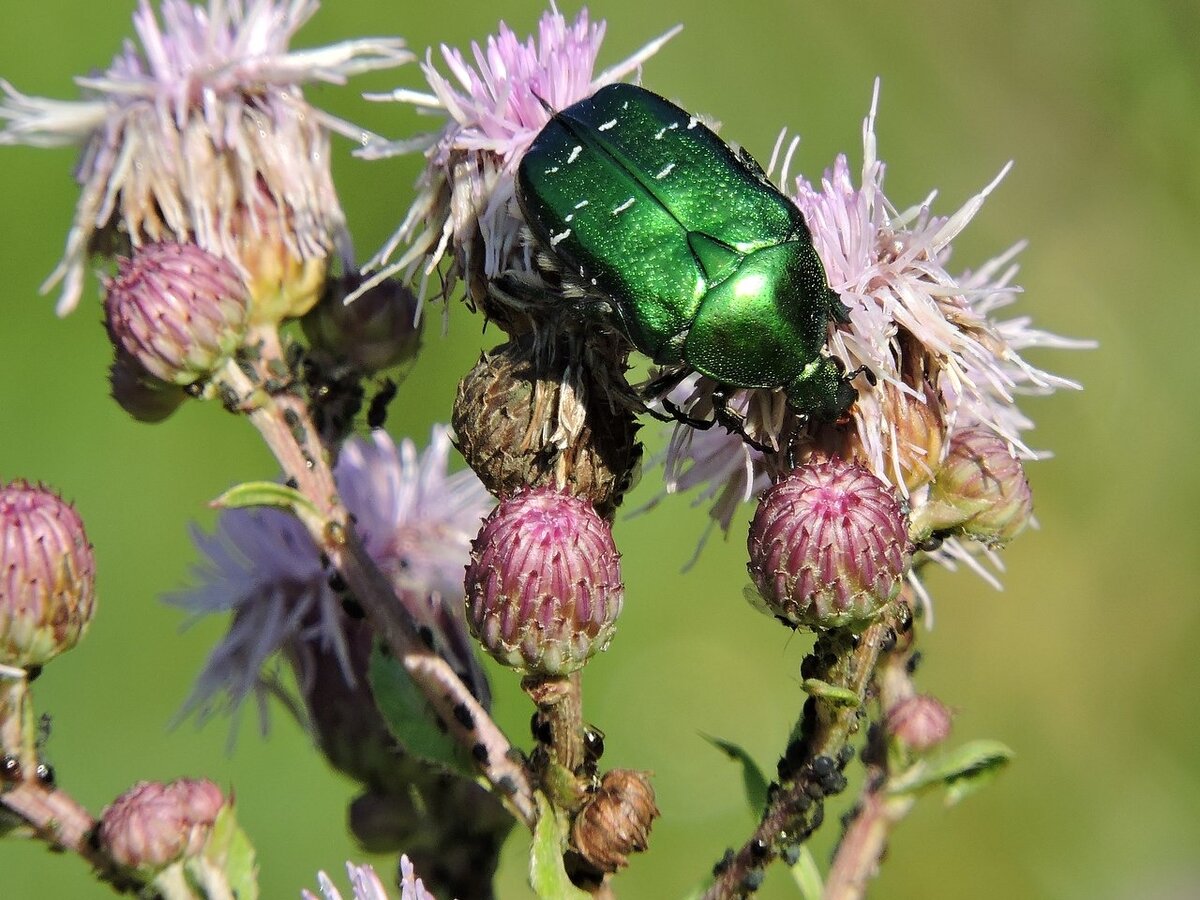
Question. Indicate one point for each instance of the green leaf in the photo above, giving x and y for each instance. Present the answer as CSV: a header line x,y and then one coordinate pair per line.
x,y
408,716
547,876
962,771
807,876
271,493
753,780
227,862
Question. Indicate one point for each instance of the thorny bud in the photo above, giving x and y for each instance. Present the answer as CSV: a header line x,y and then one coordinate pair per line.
x,y
616,820
828,546
176,309
534,416
47,576
918,722
146,398
377,330
979,492
152,825
544,583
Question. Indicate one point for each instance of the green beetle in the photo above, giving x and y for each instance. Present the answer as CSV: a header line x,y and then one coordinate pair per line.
x,y
703,260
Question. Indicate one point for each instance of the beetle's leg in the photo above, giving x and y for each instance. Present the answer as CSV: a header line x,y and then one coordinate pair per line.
x,y
863,370
732,421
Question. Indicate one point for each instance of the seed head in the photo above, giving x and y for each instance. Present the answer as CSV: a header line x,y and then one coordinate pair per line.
x,y
544,583
828,546
527,417
179,311
616,821
47,575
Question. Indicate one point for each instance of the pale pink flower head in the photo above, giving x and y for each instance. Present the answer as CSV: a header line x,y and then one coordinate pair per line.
x,y
943,361
199,132
494,102
366,885
416,520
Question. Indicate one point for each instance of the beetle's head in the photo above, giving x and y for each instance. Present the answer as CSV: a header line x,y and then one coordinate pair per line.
x,y
822,391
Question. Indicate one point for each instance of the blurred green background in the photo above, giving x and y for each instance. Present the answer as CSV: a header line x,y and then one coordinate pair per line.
x,y
1084,664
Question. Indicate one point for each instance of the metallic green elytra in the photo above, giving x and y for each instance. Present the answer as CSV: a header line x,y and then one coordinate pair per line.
x,y
703,260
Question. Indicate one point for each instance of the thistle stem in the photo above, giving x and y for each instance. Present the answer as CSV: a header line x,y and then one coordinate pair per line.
x,y
560,700
878,810
795,806
283,420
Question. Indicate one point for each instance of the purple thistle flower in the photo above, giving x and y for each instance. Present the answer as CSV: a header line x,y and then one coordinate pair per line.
x,y
367,885
416,521
930,337
202,134
494,110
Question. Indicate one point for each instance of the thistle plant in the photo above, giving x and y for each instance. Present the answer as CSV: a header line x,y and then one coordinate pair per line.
x,y
817,358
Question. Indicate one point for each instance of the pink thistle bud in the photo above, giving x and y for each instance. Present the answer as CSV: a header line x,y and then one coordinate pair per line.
x,y
544,583
152,825
919,722
375,331
980,491
178,310
47,576
828,546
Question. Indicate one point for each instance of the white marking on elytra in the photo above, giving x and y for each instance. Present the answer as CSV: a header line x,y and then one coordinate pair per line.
x,y
607,125
569,217
594,282
625,105
557,239
658,135
552,170
664,172
581,204
624,206
575,153
692,123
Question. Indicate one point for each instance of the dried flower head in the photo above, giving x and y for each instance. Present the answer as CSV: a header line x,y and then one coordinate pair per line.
x,y
47,575
202,134
943,361
416,521
547,415
616,820
494,110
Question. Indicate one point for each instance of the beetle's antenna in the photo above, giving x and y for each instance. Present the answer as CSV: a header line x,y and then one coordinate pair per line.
x,y
545,103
